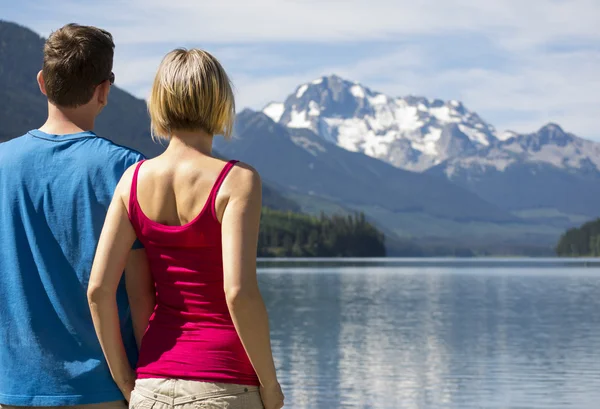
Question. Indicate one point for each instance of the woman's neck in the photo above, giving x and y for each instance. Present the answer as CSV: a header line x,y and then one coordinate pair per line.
x,y
188,141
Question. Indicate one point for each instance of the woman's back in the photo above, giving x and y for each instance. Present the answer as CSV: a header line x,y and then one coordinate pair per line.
x,y
173,191
207,338
173,209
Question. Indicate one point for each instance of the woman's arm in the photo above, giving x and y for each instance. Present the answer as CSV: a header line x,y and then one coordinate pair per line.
x,y
240,226
111,258
141,292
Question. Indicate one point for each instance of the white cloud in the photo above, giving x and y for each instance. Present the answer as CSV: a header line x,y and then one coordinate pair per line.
x,y
558,87
135,75
532,82
542,87
512,21
256,93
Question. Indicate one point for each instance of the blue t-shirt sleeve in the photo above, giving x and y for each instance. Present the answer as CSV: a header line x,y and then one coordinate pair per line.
x,y
135,158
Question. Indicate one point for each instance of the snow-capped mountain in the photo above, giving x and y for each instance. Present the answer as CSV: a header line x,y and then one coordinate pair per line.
x,y
548,175
412,133
417,133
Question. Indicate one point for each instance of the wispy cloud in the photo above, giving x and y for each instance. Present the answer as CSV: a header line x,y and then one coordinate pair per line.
x,y
518,63
227,21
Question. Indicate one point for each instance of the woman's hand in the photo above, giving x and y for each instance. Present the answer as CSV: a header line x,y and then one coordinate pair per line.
x,y
272,396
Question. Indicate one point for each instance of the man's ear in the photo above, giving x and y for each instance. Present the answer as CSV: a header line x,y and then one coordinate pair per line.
x,y
102,91
41,83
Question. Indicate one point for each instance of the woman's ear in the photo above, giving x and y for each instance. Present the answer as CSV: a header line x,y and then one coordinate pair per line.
x,y
41,83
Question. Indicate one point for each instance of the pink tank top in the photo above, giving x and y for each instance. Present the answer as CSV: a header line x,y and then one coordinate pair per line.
x,y
190,334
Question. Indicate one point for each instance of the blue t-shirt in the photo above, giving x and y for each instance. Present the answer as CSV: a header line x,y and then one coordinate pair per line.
x,y
54,194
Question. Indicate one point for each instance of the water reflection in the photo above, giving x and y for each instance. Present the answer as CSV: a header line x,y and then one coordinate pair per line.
x,y
391,337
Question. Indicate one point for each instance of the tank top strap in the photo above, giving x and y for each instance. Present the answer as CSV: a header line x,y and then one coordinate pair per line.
x,y
215,190
133,202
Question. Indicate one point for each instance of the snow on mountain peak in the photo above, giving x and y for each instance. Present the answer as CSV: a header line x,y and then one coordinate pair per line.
x,y
357,91
274,110
417,133
411,132
301,90
506,135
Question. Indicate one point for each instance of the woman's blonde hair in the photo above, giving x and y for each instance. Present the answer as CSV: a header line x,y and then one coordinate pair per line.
x,y
191,91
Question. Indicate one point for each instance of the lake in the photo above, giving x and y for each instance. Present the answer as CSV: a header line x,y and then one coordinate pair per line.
x,y
393,334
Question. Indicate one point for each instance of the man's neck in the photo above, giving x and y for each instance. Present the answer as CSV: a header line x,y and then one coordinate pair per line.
x,y
64,121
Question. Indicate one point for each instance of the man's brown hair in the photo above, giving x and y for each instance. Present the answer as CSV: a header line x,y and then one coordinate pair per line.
x,y
76,60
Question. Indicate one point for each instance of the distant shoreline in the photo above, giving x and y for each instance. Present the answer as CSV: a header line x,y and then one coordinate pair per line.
x,y
509,262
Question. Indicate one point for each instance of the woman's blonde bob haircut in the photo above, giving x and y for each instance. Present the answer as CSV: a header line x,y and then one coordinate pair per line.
x,y
191,91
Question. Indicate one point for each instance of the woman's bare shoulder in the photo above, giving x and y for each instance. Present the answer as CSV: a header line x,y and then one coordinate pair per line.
x,y
243,180
243,172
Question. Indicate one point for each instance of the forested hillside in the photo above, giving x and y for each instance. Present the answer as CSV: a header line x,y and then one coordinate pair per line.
x,y
288,234
582,241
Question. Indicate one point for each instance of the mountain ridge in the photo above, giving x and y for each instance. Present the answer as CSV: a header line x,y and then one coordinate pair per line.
x,y
403,131
444,138
410,132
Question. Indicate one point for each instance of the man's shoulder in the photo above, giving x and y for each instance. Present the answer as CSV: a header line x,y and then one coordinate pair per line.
x,y
106,148
102,148
16,147
108,160
20,140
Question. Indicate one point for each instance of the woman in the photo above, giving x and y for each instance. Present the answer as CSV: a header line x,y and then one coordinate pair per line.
x,y
207,341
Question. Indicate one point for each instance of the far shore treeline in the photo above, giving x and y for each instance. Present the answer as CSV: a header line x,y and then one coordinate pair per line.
x,y
582,241
289,234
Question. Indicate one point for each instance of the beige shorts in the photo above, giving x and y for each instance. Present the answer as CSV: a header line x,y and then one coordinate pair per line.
x,y
118,404
180,394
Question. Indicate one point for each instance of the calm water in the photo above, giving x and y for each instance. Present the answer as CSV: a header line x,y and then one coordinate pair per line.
x,y
436,335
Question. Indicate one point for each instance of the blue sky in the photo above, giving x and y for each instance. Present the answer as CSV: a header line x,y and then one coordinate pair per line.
x,y
518,63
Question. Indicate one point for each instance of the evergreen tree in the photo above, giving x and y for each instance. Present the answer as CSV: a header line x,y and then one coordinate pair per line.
x,y
582,241
293,234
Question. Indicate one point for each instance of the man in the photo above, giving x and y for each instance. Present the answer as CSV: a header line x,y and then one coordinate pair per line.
x,y
56,184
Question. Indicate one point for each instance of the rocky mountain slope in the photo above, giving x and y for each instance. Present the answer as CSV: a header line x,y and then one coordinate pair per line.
x,y
550,175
